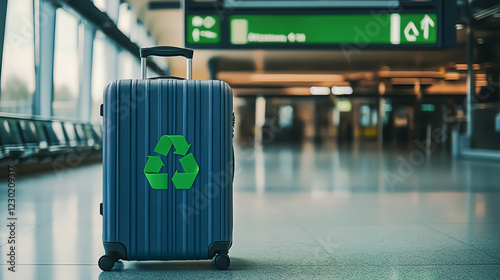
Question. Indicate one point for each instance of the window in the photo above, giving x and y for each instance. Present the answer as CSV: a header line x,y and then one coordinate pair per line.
x,y
101,4
66,66
125,19
99,73
18,65
129,66
142,36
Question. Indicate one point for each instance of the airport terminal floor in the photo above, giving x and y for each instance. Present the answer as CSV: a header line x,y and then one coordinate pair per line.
x,y
299,213
318,139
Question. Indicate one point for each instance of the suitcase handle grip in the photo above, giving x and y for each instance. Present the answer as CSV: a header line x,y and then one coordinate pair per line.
x,y
166,51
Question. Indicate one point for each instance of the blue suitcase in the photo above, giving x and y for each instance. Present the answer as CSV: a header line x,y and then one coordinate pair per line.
x,y
168,168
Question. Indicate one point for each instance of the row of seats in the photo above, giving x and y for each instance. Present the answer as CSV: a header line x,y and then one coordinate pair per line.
x,y
36,140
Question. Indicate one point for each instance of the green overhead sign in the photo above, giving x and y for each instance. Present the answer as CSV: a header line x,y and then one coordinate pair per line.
x,y
203,29
370,29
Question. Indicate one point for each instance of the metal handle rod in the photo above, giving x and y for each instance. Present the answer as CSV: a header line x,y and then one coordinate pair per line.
x,y
189,68
144,69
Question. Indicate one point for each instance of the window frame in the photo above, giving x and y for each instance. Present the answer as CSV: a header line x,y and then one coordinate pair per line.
x,y
3,20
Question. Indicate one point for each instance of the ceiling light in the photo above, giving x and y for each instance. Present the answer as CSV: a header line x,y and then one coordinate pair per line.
x,y
341,90
319,90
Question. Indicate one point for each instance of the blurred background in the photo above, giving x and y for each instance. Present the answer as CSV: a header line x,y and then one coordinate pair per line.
x,y
401,138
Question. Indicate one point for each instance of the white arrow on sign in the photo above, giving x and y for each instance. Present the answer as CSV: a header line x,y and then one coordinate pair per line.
x,y
411,37
424,25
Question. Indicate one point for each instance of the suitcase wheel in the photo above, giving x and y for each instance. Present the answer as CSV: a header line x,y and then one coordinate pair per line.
x,y
106,262
221,261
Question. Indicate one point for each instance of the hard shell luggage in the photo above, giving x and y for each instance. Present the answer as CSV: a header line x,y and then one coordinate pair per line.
x,y
167,167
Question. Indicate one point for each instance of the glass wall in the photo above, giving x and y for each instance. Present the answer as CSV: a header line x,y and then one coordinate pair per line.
x,y
101,4
65,65
129,66
18,65
70,81
125,19
99,79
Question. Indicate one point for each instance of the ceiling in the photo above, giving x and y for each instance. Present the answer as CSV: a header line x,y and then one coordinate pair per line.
x,y
167,28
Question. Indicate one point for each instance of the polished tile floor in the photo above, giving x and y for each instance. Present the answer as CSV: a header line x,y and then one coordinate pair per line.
x,y
299,213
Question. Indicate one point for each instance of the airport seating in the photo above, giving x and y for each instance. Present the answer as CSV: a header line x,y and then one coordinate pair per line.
x,y
32,140
10,140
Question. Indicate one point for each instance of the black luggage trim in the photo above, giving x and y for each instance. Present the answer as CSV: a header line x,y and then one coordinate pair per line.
x,y
116,250
219,247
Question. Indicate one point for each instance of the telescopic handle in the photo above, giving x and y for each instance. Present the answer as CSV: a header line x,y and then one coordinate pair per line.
x,y
166,51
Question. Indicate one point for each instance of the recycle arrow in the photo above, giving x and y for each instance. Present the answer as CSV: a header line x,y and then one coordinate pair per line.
x,y
185,180
178,141
156,179
154,164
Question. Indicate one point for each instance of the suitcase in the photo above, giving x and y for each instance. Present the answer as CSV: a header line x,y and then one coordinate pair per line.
x,y
168,167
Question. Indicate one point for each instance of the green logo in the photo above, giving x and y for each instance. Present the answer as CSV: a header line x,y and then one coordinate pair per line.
x,y
183,181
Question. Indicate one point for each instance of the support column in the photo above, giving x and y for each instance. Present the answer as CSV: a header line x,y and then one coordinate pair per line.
x,y
260,119
44,26
471,83
85,53
380,122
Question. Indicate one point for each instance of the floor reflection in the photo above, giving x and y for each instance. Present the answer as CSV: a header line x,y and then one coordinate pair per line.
x,y
342,212
354,169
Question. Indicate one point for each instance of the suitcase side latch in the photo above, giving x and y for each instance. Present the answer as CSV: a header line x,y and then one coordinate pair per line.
x,y
234,121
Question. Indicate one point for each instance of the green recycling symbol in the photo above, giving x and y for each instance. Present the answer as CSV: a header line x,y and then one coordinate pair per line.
x,y
183,181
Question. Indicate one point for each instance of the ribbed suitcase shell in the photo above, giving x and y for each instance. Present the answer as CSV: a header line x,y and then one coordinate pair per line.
x,y
173,223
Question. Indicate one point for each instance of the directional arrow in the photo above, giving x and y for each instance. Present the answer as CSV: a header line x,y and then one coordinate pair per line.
x,y
153,165
411,37
189,164
424,25
180,144
166,141
164,145
157,180
185,180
